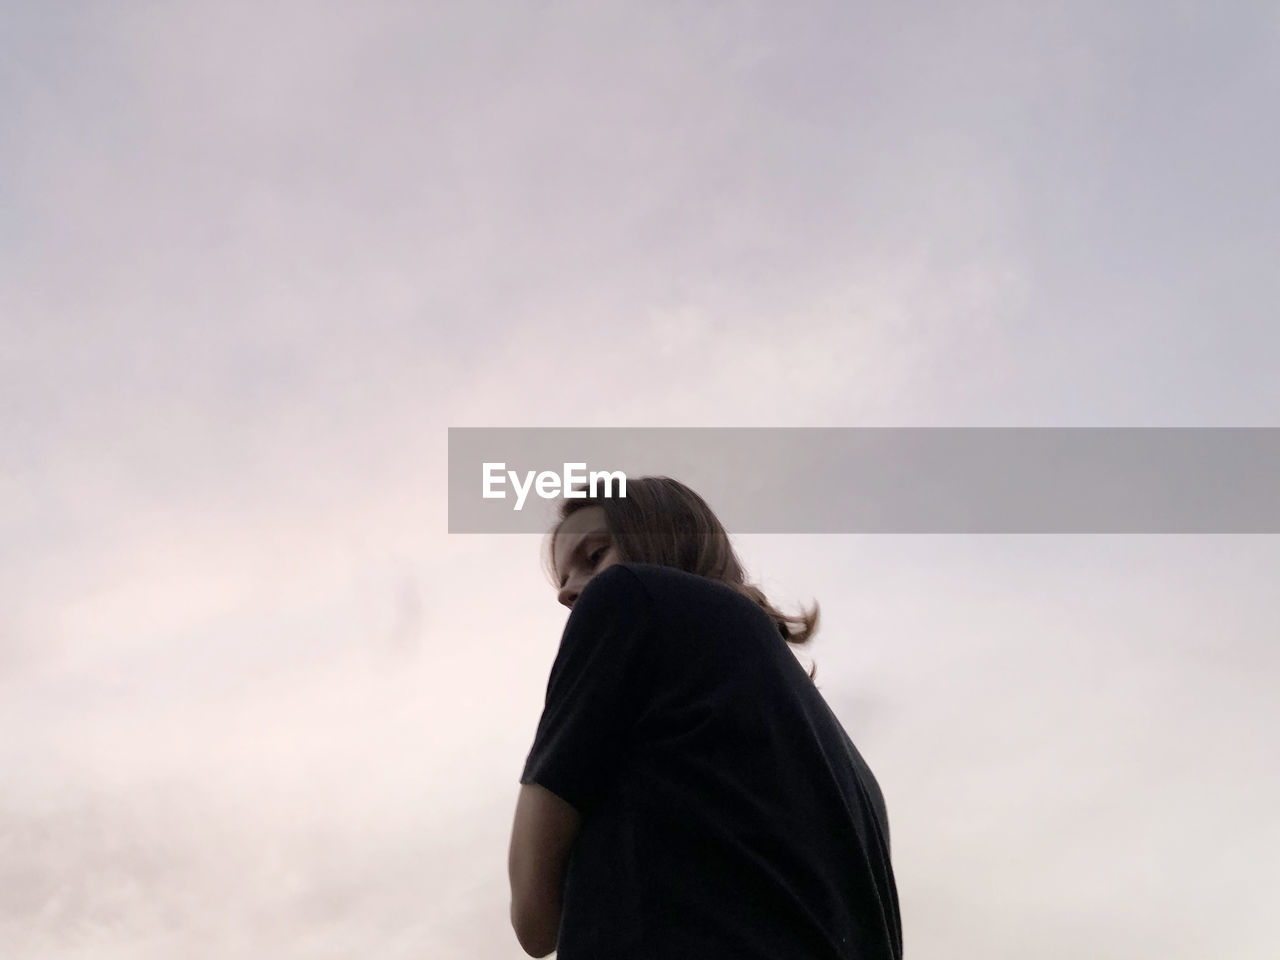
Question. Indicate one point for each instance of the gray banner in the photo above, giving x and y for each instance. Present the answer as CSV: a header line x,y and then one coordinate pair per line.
x,y
889,479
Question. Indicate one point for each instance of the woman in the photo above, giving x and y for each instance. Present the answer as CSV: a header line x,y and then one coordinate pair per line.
x,y
689,794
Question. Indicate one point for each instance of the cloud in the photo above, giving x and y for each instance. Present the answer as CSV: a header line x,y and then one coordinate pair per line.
x,y
258,259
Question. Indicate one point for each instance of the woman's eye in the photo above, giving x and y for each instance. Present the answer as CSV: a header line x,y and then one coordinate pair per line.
x,y
596,555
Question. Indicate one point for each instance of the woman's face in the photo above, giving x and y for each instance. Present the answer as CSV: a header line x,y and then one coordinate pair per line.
x,y
582,548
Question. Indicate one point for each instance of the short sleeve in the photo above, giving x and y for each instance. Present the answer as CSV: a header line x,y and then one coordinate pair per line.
x,y
595,690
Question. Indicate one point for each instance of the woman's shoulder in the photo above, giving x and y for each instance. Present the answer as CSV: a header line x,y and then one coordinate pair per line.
x,y
659,578
677,591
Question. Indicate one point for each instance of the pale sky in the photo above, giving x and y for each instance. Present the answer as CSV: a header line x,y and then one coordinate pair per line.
x,y
258,257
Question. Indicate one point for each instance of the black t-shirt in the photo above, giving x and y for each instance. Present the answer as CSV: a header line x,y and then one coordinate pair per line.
x,y
726,814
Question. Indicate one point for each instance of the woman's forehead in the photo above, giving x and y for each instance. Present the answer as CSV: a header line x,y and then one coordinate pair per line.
x,y
586,520
575,527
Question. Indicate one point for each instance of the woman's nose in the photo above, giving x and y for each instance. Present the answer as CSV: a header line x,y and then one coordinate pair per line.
x,y
568,594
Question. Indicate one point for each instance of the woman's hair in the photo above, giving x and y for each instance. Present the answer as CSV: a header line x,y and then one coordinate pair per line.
x,y
662,521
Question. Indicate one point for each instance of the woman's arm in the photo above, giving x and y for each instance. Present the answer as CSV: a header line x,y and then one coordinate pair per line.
x,y
543,832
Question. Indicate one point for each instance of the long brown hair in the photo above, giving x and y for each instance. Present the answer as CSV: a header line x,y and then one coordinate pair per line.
x,y
662,521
